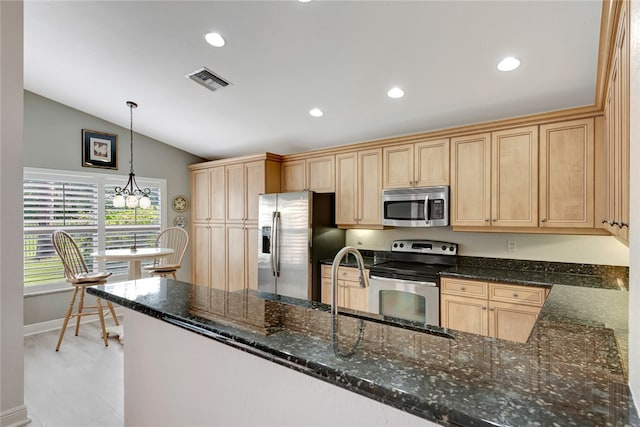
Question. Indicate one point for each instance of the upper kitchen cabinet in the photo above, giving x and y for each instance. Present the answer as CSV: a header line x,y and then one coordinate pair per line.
x,y
421,164
495,179
471,180
514,177
208,195
616,111
245,181
359,189
567,174
314,174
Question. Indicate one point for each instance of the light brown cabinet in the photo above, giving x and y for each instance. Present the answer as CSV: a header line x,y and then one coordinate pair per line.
x,y
350,294
359,188
567,174
314,174
208,195
617,137
497,310
494,179
419,164
224,227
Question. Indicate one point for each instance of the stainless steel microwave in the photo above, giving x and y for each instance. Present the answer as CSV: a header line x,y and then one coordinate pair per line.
x,y
416,207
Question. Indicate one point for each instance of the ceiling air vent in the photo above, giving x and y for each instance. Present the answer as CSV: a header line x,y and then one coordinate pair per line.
x,y
206,78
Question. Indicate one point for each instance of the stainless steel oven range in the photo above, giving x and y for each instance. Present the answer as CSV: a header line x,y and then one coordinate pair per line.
x,y
407,287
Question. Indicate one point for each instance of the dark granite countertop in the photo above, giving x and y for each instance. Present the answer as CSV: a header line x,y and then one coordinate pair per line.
x,y
569,373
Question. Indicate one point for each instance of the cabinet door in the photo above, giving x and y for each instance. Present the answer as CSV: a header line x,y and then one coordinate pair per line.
x,y
514,177
217,257
293,176
464,314
471,180
370,187
346,188
235,243
321,174
254,185
217,194
512,322
357,297
431,163
200,256
235,192
398,166
567,174
200,195
251,255
325,296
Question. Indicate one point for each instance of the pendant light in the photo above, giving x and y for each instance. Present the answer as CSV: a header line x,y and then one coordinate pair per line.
x,y
131,195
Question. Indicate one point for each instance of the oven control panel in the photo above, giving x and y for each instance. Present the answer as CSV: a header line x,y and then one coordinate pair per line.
x,y
424,247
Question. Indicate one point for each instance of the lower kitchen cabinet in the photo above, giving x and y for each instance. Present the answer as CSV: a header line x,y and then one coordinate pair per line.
x,y
350,294
493,309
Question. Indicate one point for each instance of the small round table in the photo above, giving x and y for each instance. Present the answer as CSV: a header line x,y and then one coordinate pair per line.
x,y
133,256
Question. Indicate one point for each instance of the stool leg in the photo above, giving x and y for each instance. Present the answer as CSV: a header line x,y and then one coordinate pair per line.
x,y
101,316
66,318
80,307
113,313
174,275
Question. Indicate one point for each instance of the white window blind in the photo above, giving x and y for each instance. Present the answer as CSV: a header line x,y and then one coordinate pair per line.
x,y
80,203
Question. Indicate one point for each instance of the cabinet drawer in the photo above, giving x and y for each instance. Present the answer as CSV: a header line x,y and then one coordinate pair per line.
x,y
517,294
468,288
344,273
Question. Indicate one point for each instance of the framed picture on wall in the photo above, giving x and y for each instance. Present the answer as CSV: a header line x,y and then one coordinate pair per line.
x,y
99,150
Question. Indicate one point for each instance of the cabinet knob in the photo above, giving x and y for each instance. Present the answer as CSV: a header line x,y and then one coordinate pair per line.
x,y
486,220
492,309
495,219
515,295
484,308
463,288
543,220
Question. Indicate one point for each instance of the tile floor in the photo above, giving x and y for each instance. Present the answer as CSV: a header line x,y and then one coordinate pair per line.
x,y
82,385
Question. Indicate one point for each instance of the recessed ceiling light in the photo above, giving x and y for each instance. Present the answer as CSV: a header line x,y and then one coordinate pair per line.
x,y
304,1
509,64
214,39
395,92
316,112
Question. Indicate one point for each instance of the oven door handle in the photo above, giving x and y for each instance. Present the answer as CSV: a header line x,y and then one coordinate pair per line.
x,y
411,282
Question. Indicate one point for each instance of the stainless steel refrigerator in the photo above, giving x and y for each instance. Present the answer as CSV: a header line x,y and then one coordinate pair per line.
x,y
296,231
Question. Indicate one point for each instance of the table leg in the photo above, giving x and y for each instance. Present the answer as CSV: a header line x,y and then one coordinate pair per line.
x,y
135,269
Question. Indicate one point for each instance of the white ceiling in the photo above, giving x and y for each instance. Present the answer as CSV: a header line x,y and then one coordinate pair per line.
x,y
285,57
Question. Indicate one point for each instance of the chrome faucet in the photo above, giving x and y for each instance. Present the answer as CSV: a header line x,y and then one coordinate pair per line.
x,y
364,282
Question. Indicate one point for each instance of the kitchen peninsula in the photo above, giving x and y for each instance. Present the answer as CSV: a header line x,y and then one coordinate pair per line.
x,y
568,373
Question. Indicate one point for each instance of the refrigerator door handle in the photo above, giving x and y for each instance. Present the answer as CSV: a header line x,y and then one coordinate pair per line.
x,y
275,244
272,245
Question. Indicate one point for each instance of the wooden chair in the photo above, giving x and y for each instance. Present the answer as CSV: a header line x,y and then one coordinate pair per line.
x,y
177,239
77,273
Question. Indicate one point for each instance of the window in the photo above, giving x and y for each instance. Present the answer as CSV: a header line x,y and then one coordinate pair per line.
x,y
80,203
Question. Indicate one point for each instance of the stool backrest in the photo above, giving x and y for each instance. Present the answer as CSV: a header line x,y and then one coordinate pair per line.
x,y
67,249
175,238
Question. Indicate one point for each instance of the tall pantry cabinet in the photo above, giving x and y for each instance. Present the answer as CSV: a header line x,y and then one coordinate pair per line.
x,y
224,219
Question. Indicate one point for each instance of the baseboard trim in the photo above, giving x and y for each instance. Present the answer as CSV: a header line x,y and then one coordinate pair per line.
x,y
14,417
56,324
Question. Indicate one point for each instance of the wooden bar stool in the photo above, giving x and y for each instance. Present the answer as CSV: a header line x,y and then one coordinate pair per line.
x,y
77,273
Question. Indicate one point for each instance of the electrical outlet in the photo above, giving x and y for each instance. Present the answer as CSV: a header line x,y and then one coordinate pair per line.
x,y
511,245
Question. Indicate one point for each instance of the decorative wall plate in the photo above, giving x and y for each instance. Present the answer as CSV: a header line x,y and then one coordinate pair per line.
x,y
180,221
180,203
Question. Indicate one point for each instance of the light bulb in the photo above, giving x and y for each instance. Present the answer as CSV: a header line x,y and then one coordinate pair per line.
x,y
145,202
395,92
118,201
215,39
132,201
509,64
316,112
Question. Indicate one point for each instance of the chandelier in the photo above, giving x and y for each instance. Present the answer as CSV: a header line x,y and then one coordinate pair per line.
x,y
131,195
